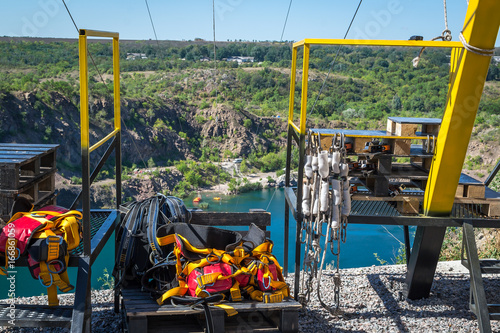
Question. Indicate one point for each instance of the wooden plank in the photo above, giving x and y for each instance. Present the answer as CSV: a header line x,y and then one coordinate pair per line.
x,y
29,145
402,147
289,321
475,191
408,205
391,126
460,193
430,129
231,219
406,129
138,324
491,209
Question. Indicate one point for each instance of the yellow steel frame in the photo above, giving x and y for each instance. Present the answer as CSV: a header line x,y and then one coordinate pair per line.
x,y
84,87
468,72
467,76
306,44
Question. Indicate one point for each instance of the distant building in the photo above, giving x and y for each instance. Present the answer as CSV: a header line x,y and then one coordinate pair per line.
x,y
204,59
199,40
240,60
496,59
134,56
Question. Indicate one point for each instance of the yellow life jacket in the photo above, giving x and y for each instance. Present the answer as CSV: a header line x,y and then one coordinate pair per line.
x,y
46,236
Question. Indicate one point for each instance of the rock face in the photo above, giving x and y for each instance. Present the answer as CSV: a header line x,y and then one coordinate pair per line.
x,y
162,129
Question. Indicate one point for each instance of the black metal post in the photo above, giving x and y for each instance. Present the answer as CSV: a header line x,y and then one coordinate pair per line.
x,y
407,244
476,281
287,208
298,220
82,310
423,261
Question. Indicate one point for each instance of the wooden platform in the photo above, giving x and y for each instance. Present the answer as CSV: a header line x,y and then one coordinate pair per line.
x,y
143,314
27,169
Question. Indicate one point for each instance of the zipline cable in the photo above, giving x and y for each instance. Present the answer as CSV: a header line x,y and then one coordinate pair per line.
x,y
215,55
335,59
102,79
286,19
152,24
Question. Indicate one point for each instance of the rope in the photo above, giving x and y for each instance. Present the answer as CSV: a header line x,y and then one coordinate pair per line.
x,y
334,60
476,50
71,16
286,19
446,32
152,24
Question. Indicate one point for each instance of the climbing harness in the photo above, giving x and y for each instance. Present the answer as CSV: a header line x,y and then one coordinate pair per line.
x,y
326,203
138,250
46,236
194,265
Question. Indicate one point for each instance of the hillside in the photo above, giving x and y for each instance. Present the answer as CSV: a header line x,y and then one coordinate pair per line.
x,y
176,107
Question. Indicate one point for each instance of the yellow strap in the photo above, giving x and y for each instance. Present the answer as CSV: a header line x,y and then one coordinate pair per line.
x,y
177,291
53,243
235,292
52,295
275,297
229,309
166,240
206,279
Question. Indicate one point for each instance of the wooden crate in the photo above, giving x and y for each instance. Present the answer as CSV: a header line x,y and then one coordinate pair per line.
x,y
475,191
402,147
24,164
409,205
460,193
430,129
38,191
143,314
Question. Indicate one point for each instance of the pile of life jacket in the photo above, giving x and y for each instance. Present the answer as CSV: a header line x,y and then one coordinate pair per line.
x,y
187,263
45,237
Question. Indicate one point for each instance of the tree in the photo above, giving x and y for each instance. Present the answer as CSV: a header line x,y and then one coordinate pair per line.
x,y
396,102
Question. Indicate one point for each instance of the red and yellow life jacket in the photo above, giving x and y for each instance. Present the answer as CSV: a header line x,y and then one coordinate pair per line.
x,y
46,237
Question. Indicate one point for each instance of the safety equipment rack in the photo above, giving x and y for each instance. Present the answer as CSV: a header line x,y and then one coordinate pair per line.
x,y
468,71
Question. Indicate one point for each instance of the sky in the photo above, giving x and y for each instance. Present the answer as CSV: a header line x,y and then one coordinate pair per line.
x,y
235,19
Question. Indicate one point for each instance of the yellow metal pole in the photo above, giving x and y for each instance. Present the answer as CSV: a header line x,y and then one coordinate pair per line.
x,y
116,79
480,30
303,99
84,93
367,42
293,76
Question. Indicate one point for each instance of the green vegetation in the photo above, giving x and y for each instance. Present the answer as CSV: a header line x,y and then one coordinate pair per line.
x,y
171,94
197,175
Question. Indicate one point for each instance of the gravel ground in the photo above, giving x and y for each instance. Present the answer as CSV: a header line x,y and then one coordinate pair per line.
x,y
370,301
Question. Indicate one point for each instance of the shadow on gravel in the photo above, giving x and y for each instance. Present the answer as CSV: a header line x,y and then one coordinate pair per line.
x,y
449,298
316,322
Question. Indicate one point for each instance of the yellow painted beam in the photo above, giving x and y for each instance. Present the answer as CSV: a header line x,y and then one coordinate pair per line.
x,y
84,92
103,140
293,76
116,82
97,33
466,85
303,100
367,42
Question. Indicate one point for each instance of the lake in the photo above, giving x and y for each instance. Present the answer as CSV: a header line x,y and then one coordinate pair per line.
x,y
363,241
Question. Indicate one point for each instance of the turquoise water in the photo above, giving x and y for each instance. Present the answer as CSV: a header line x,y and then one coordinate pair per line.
x,y
358,251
